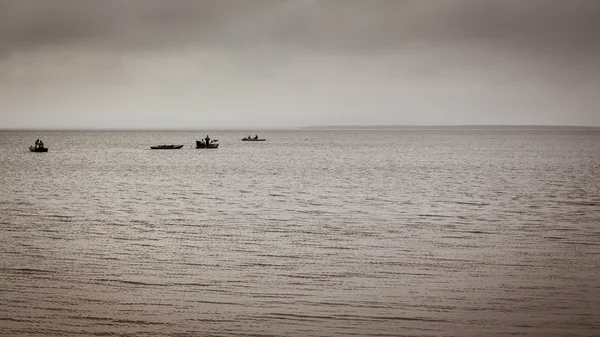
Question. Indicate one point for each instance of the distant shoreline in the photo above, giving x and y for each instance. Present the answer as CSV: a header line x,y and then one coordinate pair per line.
x,y
328,127
449,127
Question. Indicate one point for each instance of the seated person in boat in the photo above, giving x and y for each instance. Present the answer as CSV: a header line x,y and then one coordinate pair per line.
x,y
255,137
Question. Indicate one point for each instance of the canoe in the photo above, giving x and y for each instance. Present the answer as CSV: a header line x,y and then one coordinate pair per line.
x,y
202,145
38,149
166,147
253,140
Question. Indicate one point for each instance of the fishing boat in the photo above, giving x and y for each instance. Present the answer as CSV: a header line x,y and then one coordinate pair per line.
x,y
38,149
200,144
166,147
246,139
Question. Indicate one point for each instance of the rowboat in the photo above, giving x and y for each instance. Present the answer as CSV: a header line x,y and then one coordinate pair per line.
x,y
166,147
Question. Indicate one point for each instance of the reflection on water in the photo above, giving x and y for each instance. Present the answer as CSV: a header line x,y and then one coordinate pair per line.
x,y
366,233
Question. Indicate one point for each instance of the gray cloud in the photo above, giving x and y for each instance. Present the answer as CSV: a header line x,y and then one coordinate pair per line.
x,y
545,35
321,25
477,59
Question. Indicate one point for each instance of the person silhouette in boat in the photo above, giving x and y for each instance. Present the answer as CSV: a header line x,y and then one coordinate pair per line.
x,y
249,137
207,139
37,142
255,137
41,144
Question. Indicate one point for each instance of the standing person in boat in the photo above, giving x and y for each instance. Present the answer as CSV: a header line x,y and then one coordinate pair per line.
x,y
207,139
37,142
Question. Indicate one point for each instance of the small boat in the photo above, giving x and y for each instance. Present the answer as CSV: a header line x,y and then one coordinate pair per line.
x,y
38,149
202,145
246,139
166,147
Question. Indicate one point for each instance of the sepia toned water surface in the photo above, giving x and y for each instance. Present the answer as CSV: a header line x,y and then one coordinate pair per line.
x,y
310,233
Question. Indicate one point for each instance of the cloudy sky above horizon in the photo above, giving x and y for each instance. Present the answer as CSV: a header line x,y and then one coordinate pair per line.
x,y
285,63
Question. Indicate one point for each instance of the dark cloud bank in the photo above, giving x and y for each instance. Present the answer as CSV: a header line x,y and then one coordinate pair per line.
x,y
545,26
488,62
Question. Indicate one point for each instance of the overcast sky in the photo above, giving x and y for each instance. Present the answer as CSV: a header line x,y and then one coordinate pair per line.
x,y
285,63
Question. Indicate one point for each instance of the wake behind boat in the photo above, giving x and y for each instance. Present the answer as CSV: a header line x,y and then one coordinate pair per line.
x,y
166,147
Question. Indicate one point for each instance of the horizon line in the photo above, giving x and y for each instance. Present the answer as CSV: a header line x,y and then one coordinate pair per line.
x,y
320,127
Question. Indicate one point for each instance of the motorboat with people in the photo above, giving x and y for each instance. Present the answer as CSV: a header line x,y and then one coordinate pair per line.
x,y
207,143
39,147
253,139
166,147
200,144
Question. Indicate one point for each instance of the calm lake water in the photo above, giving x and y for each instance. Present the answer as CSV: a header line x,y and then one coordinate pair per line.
x,y
311,233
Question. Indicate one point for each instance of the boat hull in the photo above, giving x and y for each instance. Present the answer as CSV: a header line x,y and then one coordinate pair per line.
x,y
38,149
202,145
166,147
210,146
253,140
